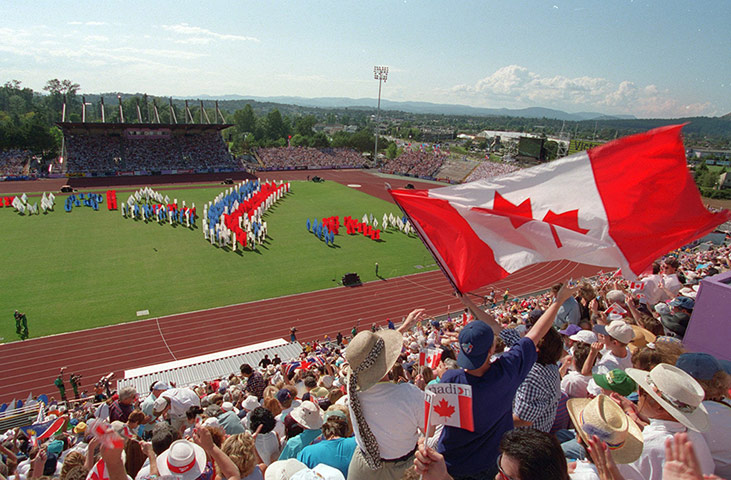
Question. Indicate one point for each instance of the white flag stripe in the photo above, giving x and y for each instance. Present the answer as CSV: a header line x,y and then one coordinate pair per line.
x,y
533,241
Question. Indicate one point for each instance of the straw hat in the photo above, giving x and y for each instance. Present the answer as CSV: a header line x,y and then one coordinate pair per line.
x,y
642,338
308,415
602,417
183,460
677,392
362,345
319,392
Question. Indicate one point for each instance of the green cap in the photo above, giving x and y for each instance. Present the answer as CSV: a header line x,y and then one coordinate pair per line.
x,y
617,381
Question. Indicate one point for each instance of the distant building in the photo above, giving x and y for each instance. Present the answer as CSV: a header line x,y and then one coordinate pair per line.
x,y
724,181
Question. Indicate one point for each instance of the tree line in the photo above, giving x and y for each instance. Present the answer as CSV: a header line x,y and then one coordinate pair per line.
x,y
27,117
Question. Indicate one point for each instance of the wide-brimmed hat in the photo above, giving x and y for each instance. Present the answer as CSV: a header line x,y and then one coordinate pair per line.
x,y
642,338
602,417
677,392
184,460
308,414
319,392
250,403
363,345
160,404
283,469
318,472
80,428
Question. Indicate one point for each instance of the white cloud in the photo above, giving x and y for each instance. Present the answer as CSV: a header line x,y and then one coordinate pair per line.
x,y
193,40
96,38
89,24
515,86
91,52
201,33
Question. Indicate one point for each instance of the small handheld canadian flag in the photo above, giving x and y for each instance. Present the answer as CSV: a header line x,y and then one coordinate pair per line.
x,y
615,308
636,286
448,404
430,357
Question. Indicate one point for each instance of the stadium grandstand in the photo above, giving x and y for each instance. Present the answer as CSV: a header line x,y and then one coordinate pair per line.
x,y
306,158
421,164
137,148
455,170
15,163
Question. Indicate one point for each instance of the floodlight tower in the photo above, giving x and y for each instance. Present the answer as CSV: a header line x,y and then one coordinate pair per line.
x,y
380,74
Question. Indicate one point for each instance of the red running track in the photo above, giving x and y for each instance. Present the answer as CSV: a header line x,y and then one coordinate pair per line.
x,y
32,365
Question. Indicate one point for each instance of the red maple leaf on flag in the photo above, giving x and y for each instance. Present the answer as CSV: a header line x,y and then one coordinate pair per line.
x,y
519,214
523,213
568,220
444,409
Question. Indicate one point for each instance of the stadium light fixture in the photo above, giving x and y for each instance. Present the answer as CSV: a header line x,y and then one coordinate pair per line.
x,y
380,73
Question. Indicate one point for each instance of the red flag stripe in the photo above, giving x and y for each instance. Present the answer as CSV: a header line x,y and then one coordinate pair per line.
x,y
466,419
648,193
451,237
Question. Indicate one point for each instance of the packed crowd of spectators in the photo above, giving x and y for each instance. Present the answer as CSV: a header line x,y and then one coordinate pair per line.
x,y
417,164
488,169
87,153
289,158
586,381
207,150
14,161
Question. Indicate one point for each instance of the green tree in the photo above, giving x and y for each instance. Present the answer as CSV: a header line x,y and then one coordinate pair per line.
x,y
320,140
245,119
551,149
701,169
299,141
304,125
275,126
391,151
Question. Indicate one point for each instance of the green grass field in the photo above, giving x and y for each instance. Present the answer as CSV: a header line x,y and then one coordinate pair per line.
x,y
71,271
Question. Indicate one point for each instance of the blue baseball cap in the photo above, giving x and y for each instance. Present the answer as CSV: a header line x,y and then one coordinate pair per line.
x,y
701,366
475,342
726,365
683,302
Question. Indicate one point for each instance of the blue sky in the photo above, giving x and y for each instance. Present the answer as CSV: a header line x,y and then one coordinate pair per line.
x,y
663,58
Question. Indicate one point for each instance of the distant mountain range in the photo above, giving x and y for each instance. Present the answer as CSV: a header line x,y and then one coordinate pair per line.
x,y
421,107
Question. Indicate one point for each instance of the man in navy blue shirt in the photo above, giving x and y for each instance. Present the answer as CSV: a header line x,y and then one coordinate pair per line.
x,y
473,455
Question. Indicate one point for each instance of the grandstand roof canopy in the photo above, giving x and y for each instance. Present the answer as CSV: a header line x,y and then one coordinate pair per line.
x,y
117,128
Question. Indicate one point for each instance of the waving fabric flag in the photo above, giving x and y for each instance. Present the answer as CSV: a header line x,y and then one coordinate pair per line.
x,y
620,205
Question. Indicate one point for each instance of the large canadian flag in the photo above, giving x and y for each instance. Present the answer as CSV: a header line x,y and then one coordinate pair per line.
x,y
620,205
